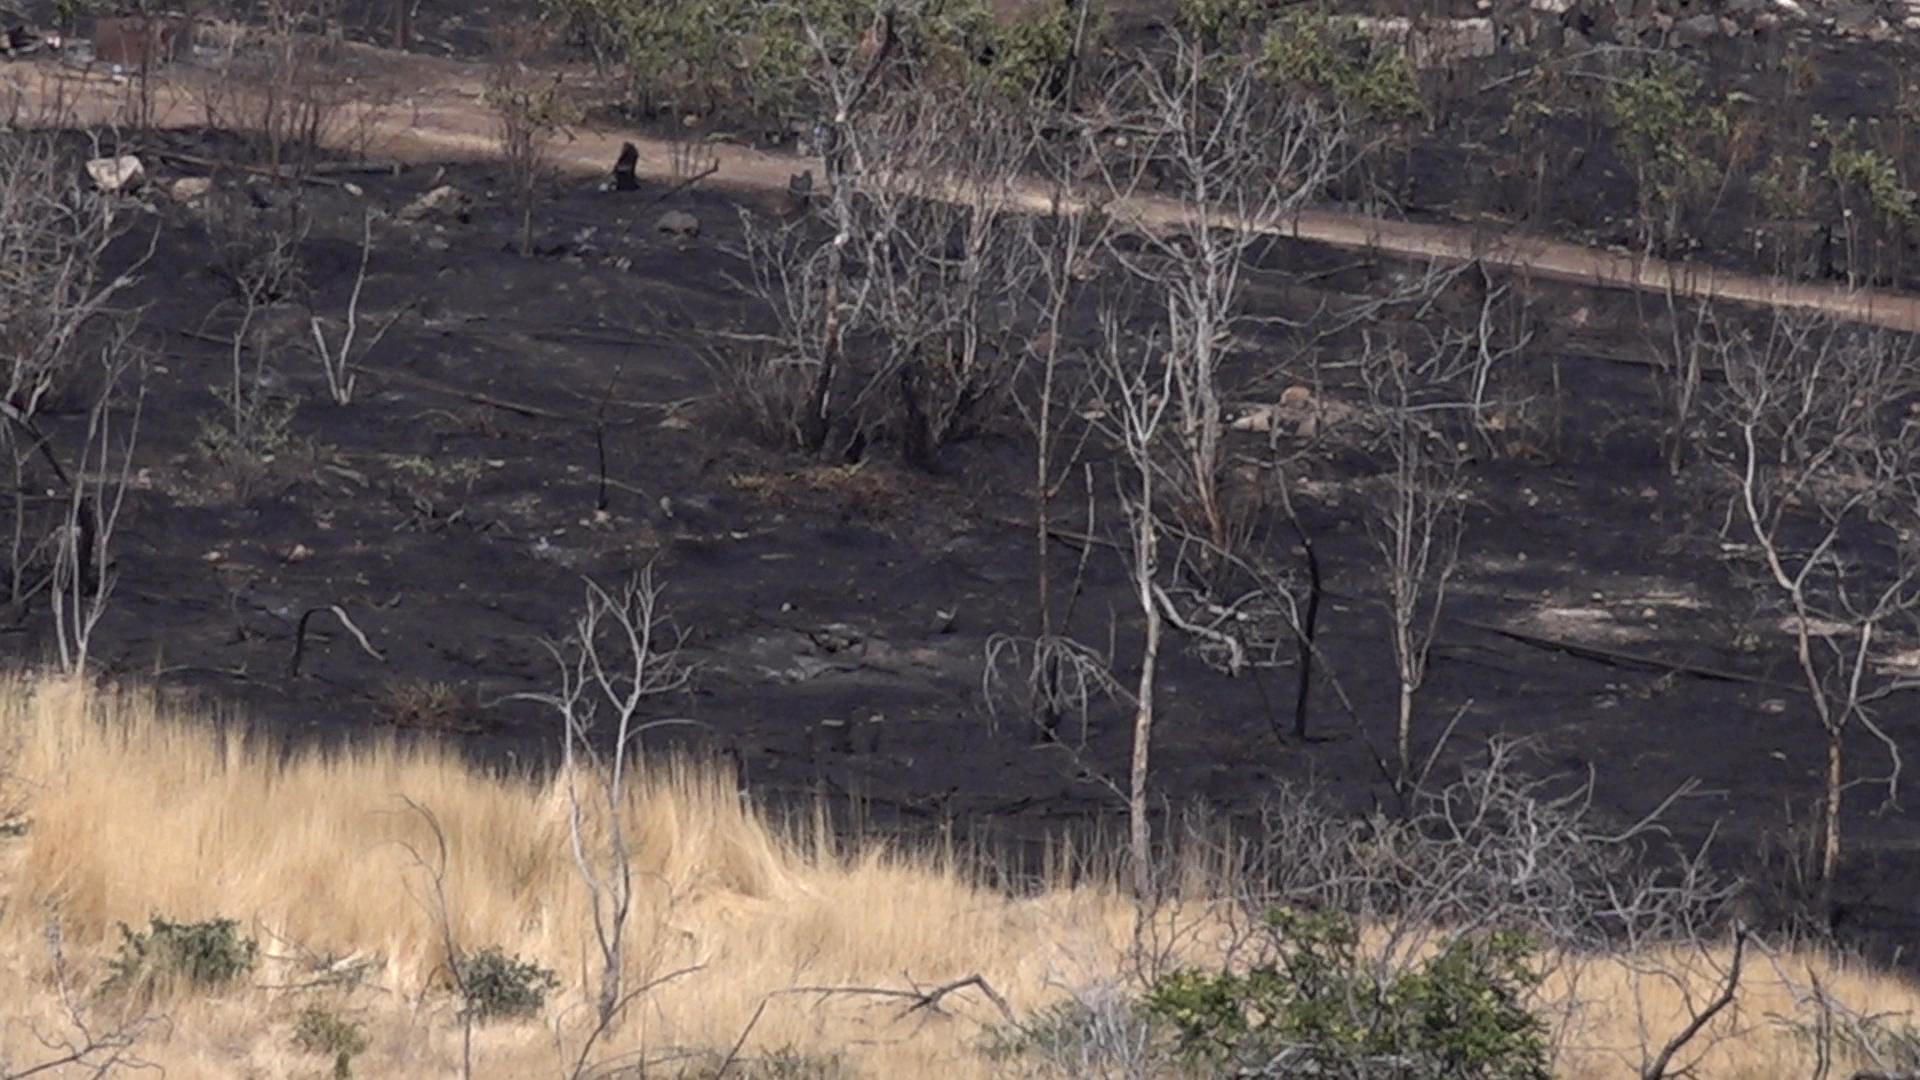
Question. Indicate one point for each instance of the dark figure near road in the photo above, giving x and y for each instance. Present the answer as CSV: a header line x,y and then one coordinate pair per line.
x,y
623,170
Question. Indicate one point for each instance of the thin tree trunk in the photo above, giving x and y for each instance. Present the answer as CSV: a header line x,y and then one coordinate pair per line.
x,y
1141,832
1830,840
1405,740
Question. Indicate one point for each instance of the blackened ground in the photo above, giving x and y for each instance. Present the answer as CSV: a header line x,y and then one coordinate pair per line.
x,y
840,616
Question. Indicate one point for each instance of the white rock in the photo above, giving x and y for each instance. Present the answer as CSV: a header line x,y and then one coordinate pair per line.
x,y
190,188
678,223
117,174
445,200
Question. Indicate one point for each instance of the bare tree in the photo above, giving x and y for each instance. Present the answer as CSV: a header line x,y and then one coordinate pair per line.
x,y
901,301
530,109
1415,527
620,658
57,292
82,1044
1680,363
337,360
84,573
1138,384
1239,159
1824,478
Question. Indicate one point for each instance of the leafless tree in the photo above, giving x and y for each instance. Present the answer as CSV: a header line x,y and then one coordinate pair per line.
x,y
1064,247
278,83
620,658
82,1044
530,109
84,572
1137,383
902,300
1239,159
1823,471
1680,360
337,360
57,299
1416,523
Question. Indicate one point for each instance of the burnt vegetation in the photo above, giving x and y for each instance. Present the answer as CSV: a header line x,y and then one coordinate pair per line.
x,y
1024,466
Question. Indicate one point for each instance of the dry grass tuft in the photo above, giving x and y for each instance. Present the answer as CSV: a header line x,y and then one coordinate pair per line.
x,y
134,812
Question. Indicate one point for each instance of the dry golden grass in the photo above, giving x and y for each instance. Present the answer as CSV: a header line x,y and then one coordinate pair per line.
x,y
135,812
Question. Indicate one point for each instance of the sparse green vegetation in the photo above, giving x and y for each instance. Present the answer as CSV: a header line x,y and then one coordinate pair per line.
x,y
1862,171
1671,130
1314,1002
1333,60
206,955
497,986
324,1031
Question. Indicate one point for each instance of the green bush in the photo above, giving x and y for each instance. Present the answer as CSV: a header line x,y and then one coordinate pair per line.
x,y
496,985
200,955
756,58
1318,1006
319,1030
1862,168
1221,24
1336,62
1672,133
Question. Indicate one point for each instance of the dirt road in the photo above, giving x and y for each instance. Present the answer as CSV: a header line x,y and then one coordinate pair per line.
x,y
432,111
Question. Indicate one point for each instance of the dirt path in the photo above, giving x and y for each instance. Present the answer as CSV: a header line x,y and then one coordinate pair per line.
x,y
435,114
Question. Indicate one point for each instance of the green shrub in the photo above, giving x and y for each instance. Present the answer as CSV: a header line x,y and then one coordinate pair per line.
x,y
755,58
496,985
319,1030
1864,169
1672,134
1317,1006
1334,60
1222,24
200,955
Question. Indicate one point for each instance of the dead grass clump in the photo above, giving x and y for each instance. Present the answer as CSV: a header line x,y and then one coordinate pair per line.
x,y
426,705
867,491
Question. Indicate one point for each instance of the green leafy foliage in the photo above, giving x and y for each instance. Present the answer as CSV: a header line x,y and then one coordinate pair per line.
x,y
1862,169
1221,23
199,955
1318,1005
1668,130
760,57
1334,60
497,986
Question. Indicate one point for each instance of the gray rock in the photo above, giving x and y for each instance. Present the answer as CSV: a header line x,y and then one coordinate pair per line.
x,y
117,175
1697,29
189,189
445,201
678,224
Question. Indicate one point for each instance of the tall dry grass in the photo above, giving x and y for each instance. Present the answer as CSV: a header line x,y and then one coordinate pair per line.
x,y
135,810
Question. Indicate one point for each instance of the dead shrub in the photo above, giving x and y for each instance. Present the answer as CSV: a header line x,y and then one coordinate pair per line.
x,y
428,705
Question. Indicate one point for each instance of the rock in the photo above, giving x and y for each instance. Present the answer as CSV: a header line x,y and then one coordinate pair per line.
x,y
445,201
678,224
190,188
117,175
1696,30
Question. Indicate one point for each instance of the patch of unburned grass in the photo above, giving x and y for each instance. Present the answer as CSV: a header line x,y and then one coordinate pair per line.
x,y
132,812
